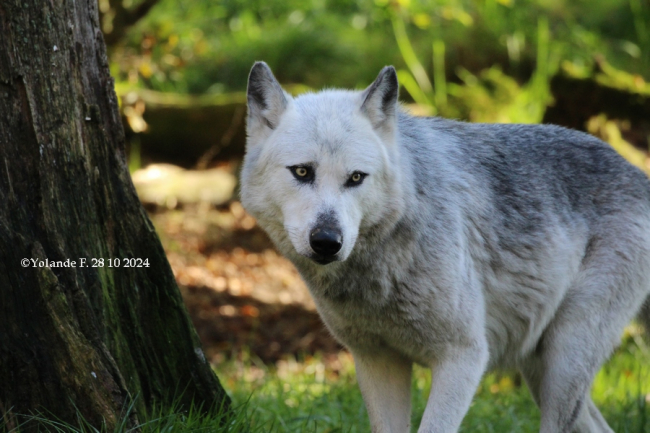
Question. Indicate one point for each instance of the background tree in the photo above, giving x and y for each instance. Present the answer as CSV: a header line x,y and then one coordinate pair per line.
x,y
81,339
116,18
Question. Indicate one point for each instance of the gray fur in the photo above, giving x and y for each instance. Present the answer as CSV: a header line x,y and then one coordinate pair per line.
x,y
467,247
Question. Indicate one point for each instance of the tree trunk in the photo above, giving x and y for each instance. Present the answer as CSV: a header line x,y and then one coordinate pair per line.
x,y
92,336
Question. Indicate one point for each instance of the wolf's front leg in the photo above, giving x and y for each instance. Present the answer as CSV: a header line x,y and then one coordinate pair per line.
x,y
454,380
384,377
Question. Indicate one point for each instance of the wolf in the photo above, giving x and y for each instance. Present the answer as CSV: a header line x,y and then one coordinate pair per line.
x,y
461,247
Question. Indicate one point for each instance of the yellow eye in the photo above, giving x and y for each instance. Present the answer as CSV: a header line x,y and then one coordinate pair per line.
x,y
355,179
302,173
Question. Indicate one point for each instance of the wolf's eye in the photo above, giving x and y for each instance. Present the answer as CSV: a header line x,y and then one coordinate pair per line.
x,y
303,173
356,179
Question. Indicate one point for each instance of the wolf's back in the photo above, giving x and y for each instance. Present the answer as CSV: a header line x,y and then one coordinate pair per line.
x,y
536,169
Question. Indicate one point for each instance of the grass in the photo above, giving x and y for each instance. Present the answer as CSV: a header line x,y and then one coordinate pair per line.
x,y
317,396
307,397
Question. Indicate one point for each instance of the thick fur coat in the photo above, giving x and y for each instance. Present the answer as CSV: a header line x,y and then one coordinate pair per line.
x,y
458,246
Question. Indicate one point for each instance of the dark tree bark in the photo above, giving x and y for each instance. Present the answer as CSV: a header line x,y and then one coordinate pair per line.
x,y
86,339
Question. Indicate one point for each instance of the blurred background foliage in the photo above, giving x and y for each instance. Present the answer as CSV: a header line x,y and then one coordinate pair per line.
x,y
198,46
477,60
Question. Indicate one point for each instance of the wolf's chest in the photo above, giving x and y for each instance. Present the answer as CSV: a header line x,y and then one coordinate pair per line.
x,y
361,326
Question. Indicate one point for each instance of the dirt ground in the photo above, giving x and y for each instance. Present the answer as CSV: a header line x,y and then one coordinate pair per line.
x,y
243,297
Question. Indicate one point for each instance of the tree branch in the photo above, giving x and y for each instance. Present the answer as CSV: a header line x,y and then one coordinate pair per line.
x,y
116,19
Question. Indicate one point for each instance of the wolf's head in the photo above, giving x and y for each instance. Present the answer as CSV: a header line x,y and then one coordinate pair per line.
x,y
321,170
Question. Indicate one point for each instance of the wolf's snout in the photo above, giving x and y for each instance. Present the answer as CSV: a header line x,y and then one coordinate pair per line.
x,y
325,241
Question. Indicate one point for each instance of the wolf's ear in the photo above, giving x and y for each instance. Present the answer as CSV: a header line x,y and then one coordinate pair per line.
x,y
266,99
380,100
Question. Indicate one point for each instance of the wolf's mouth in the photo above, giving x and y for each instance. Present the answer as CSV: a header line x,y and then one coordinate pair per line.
x,y
323,260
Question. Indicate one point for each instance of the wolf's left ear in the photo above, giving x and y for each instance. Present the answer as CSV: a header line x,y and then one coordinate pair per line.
x,y
266,99
380,100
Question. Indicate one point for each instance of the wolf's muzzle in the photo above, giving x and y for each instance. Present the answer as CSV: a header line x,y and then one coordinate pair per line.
x,y
326,242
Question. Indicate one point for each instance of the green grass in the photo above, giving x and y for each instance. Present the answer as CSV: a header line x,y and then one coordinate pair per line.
x,y
317,396
307,397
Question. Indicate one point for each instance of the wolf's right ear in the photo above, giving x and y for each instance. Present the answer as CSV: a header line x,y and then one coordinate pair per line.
x,y
380,100
266,99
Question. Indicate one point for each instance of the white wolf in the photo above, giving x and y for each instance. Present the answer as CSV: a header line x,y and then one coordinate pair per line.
x,y
457,246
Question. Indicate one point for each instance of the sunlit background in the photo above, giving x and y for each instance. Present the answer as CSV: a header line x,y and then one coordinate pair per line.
x,y
181,67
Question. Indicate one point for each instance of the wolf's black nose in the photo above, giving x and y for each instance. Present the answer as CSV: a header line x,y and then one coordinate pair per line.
x,y
325,241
